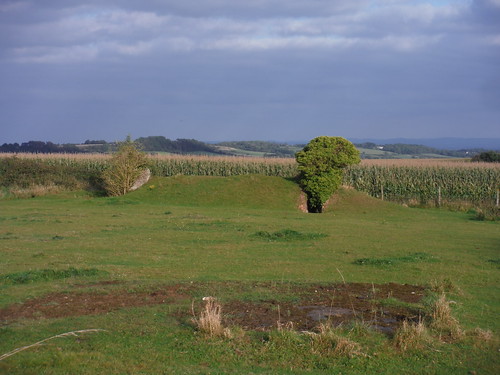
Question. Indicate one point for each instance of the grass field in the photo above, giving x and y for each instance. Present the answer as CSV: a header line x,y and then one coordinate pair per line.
x,y
136,268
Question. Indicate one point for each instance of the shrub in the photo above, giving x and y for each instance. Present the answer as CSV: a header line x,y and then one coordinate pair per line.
x,y
321,165
125,168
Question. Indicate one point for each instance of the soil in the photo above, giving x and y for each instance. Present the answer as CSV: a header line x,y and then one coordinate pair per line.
x,y
305,306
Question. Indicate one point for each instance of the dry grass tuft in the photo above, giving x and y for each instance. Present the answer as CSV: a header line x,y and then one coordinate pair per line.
x,y
210,320
66,334
442,319
330,340
412,336
482,337
35,191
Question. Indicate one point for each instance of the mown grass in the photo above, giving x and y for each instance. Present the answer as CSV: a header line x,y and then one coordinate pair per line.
x,y
201,230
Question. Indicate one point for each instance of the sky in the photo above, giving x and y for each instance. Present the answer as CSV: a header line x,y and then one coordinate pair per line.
x,y
221,70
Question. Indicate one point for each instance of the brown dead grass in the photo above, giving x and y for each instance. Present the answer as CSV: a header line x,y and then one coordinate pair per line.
x,y
442,320
210,319
412,336
35,191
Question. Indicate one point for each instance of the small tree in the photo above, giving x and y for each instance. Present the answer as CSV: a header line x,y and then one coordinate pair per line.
x,y
125,168
321,165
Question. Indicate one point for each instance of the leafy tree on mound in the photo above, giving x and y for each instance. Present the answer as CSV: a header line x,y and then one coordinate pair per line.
x,y
321,166
127,164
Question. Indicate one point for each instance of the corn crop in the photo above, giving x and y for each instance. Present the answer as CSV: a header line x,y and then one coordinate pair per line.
x,y
222,166
426,183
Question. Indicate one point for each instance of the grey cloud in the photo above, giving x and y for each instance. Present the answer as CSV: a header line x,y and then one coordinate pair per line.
x,y
91,31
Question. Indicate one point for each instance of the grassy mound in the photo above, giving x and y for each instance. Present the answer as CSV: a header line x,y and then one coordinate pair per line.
x,y
253,191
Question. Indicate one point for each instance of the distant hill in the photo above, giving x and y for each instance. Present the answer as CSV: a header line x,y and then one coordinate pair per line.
x,y
258,148
179,146
439,143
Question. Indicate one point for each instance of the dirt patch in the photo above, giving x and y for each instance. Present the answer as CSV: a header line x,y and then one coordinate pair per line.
x,y
58,305
302,202
339,303
380,306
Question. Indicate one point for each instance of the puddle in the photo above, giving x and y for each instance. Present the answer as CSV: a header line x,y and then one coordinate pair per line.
x,y
319,313
340,315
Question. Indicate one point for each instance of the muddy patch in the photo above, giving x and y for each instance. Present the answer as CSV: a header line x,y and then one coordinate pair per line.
x,y
59,305
340,304
382,307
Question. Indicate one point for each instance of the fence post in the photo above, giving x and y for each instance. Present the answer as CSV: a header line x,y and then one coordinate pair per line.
x,y
439,196
498,197
382,191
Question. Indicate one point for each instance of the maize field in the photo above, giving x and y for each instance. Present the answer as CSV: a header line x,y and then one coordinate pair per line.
x,y
426,184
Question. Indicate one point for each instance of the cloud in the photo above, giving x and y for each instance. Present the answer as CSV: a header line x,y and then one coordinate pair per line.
x,y
93,31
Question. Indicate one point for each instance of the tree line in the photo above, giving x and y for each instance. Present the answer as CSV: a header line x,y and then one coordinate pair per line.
x,y
38,147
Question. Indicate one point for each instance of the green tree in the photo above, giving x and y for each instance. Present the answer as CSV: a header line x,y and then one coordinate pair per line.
x,y
127,164
488,156
321,166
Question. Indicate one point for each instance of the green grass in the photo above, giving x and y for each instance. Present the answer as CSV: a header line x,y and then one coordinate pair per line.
x,y
201,230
